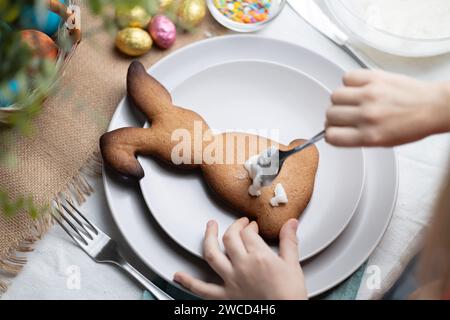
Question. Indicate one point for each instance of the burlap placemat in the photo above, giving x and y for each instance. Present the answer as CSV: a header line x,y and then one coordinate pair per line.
x,y
63,151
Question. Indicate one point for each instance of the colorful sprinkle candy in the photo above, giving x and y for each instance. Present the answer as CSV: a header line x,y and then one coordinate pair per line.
x,y
244,11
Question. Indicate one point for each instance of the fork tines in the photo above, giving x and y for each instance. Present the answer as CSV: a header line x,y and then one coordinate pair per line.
x,y
86,230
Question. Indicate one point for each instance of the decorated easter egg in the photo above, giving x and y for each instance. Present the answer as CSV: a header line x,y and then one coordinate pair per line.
x,y
41,44
133,41
8,93
191,12
164,4
163,31
136,17
40,18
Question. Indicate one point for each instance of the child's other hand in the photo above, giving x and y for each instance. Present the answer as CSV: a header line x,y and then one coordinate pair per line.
x,y
250,269
377,108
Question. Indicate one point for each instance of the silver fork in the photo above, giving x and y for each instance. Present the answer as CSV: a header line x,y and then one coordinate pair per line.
x,y
273,169
100,247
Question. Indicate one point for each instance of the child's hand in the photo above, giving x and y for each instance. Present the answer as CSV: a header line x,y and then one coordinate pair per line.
x,y
377,108
250,269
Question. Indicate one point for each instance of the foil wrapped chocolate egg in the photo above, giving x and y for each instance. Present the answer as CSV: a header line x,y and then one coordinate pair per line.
x,y
133,41
136,17
39,18
191,12
163,31
41,45
164,4
8,93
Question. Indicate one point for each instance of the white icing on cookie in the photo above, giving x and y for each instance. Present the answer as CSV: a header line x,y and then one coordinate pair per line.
x,y
255,171
280,196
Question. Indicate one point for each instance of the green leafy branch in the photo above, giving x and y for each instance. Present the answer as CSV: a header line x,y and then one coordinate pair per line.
x,y
35,78
16,61
12,207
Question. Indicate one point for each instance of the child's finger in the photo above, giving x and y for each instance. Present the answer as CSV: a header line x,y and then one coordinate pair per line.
x,y
252,240
347,96
289,242
342,116
357,78
344,136
212,253
232,240
199,287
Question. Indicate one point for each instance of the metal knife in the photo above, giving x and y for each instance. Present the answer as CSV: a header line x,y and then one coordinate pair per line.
x,y
310,11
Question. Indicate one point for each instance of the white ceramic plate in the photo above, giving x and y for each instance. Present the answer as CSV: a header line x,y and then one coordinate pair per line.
x,y
323,271
268,98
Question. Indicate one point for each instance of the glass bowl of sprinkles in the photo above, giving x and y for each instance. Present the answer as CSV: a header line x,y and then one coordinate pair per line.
x,y
245,15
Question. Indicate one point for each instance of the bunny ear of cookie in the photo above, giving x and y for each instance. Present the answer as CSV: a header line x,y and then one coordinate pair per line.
x,y
146,92
119,149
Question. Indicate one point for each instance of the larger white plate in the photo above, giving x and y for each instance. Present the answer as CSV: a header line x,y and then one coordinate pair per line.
x,y
331,266
239,96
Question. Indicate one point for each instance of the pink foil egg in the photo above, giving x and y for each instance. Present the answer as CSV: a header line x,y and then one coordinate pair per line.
x,y
163,31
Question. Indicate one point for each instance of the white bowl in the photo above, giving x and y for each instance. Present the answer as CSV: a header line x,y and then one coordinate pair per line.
x,y
384,40
274,11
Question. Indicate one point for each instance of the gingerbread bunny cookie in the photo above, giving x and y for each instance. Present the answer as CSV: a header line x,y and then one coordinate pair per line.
x,y
223,171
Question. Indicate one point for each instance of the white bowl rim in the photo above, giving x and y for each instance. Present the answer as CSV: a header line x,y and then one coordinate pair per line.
x,y
242,27
416,39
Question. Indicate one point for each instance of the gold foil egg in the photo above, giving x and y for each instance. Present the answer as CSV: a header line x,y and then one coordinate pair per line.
x,y
164,4
136,17
133,41
191,12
